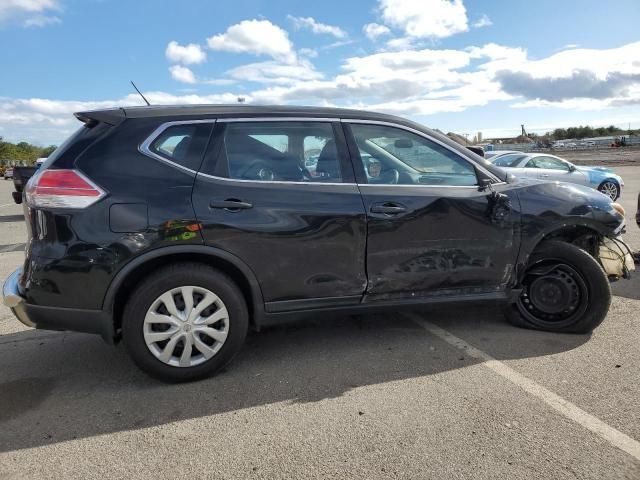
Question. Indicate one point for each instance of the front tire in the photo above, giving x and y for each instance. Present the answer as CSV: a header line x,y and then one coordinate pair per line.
x,y
610,189
564,289
185,322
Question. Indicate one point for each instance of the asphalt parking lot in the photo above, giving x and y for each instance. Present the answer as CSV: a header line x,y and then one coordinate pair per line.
x,y
436,393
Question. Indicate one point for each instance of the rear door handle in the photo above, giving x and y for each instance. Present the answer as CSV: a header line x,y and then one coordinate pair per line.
x,y
544,175
388,208
230,204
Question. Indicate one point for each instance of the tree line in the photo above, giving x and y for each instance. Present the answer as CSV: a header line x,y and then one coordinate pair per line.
x,y
23,152
588,132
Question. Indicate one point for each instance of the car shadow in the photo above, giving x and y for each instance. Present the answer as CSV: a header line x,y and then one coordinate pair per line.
x,y
628,288
11,218
62,386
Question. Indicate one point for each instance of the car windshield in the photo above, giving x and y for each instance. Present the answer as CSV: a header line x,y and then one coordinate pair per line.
x,y
510,160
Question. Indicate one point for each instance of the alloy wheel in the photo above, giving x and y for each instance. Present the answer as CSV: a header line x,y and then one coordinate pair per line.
x,y
610,189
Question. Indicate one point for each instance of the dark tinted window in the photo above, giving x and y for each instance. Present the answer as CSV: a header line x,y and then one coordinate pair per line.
x,y
510,160
280,151
182,144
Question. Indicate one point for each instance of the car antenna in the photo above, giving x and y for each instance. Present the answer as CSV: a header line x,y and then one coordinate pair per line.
x,y
139,92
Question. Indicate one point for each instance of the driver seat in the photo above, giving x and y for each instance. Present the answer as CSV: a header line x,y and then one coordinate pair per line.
x,y
328,165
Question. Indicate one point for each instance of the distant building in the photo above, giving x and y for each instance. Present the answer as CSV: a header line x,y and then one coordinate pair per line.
x,y
479,137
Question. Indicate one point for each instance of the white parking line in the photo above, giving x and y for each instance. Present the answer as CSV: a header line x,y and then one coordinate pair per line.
x,y
566,408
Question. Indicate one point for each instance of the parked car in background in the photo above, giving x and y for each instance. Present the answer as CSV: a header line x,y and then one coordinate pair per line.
x,y
21,176
8,173
550,167
570,145
492,154
179,228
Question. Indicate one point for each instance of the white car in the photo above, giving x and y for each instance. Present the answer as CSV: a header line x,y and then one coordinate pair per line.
x,y
552,168
493,154
8,174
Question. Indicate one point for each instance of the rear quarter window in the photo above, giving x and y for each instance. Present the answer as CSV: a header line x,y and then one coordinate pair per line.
x,y
182,144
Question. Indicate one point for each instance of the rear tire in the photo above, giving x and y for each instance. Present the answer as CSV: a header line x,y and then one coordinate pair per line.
x,y
185,322
564,290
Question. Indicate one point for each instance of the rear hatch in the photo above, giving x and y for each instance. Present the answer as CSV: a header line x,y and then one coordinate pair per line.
x,y
58,189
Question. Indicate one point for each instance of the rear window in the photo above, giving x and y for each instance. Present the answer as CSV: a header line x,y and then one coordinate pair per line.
x,y
510,160
66,154
182,144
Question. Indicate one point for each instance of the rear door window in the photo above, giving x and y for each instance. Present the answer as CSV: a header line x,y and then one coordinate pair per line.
x,y
280,151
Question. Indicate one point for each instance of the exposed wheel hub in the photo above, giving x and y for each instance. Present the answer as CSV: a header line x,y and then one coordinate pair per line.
x,y
553,295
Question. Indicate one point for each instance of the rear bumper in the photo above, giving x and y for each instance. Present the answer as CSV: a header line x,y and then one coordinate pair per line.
x,y
55,318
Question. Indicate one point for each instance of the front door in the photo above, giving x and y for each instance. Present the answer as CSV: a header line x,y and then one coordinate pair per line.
x,y
280,196
431,231
553,169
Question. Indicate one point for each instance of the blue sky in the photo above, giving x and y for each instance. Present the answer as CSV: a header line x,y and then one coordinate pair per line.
x,y
458,66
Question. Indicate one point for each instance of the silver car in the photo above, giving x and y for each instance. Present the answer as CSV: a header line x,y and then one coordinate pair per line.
x,y
552,168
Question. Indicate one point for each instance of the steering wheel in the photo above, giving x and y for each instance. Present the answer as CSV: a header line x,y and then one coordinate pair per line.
x,y
388,177
259,171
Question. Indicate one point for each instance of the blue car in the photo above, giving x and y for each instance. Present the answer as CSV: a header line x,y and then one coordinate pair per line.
x,y
552,168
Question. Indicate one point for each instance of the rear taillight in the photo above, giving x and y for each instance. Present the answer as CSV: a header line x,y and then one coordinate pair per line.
x,y
62,189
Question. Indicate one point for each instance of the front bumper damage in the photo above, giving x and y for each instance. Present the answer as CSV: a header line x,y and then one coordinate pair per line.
x,y
616,258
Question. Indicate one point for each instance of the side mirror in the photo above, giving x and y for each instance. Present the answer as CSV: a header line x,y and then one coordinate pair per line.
x,y
485,184
572,168
403,143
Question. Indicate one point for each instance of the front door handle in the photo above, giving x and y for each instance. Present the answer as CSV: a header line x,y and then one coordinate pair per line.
x,y
231,204
388,208
544,175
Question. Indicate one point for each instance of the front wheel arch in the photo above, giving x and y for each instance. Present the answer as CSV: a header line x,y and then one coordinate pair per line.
x,y
580,235
615,182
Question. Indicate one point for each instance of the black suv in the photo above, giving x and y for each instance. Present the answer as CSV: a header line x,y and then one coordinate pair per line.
x,y
178,228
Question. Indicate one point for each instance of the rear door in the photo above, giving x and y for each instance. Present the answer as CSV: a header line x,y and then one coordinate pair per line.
x,y
431,231
280,195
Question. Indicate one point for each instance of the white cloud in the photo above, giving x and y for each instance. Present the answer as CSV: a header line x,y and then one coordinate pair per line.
x,y
30,13
41,21
425,18
257,37
375,30
402,43
483,21
316,27
308,52
185,54
182,74
275,72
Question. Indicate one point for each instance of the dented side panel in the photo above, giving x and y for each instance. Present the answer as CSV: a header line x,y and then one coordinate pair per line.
x,y
449,241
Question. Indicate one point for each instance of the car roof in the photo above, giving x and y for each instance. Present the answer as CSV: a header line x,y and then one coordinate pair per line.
x,y
239,110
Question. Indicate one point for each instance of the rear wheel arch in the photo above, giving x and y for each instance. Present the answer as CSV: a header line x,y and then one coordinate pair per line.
x,y
141,267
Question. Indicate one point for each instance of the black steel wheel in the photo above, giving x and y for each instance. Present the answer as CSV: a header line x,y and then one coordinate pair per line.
x,y
564,289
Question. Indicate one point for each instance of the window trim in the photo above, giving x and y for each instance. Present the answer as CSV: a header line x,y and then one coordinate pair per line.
x,y
144,149
145,146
